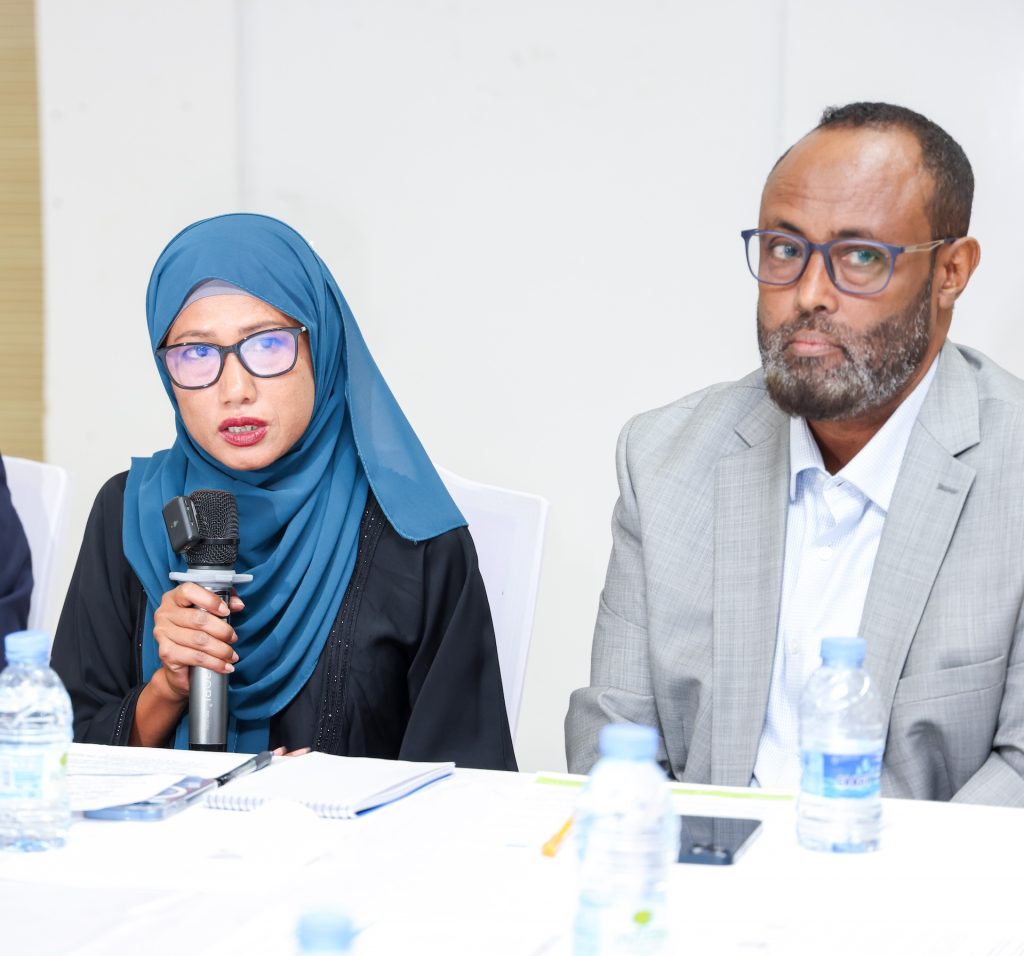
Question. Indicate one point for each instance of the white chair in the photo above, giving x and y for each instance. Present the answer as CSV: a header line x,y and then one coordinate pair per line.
x,y
40,496
508,531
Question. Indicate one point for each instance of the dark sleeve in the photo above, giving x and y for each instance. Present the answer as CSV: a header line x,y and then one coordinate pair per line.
x,y
455,693
15,568
94,649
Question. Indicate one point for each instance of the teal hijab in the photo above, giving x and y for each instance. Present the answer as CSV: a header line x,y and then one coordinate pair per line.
x,y
299,517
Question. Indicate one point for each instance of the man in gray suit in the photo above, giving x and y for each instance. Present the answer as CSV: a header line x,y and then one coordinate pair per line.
x,y
869,479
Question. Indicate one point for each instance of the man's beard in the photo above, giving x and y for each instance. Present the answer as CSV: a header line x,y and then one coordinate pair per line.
x,y
878,363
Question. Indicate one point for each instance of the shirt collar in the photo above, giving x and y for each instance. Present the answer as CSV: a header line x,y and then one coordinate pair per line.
x,y
875,468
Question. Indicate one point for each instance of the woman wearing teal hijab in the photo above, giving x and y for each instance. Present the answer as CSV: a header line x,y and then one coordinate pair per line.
x,y
365,630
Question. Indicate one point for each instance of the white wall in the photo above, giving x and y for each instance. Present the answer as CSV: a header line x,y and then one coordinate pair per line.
x,y
533,208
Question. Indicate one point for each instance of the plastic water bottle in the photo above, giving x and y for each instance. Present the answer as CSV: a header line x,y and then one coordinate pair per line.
x,y
325,932
35,733
842,737
628,837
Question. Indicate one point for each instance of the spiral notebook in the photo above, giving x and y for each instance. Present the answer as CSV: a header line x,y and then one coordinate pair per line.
x,y
340,787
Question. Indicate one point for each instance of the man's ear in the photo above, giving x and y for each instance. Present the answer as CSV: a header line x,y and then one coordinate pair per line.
x,y
954,267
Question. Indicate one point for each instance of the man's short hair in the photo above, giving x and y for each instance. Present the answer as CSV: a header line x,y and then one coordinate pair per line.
x,y
950,206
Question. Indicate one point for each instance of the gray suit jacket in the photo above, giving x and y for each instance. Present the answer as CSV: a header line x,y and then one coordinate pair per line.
x,y
687,622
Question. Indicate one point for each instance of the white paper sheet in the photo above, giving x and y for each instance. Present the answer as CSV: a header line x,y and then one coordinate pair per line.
x,y
97,760
88,792
110,776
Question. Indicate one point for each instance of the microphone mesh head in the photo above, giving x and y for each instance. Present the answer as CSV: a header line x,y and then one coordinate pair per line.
x,y
217,516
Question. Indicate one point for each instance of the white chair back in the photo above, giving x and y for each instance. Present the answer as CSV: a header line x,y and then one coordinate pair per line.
x,y
39,493
508,531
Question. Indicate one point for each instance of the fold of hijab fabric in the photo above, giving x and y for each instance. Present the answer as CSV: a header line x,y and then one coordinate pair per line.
x,y
298,517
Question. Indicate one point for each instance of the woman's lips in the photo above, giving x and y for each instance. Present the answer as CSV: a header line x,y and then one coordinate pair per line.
x,y
242,432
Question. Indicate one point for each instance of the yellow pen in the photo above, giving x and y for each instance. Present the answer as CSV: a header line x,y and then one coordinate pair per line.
x,y
552,846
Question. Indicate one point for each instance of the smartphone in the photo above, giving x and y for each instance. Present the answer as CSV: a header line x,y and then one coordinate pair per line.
x,y
166,803
718,841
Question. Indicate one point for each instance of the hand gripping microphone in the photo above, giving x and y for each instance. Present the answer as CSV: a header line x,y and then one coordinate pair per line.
x,y
204,527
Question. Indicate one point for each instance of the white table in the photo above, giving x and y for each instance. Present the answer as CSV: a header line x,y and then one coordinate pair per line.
x,y
456,868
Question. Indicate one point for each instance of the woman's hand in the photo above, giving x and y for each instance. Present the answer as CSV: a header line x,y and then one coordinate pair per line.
x,y
284,752
187,637
190,630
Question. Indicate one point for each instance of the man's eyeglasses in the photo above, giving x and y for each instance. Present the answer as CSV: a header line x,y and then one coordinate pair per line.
x,y
855,266
263,354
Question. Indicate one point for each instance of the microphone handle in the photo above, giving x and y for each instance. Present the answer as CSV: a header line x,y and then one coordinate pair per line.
x,y
208,698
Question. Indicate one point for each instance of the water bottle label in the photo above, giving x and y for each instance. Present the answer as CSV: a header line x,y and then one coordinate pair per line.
x,y
635,926
845,776
31,773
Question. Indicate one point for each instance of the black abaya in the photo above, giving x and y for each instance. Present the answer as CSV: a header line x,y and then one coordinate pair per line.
x,y
409,669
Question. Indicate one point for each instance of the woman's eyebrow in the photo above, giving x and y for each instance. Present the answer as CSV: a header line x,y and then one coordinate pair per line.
x,y
262,324
195,335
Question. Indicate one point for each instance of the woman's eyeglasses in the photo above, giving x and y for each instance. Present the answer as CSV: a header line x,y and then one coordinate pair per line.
x,y
263,354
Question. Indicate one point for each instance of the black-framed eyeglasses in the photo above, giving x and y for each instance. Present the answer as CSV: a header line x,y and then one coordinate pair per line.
x,y
855,266
263,354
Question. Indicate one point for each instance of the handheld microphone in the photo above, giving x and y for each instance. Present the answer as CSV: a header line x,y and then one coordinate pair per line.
x,y
204,527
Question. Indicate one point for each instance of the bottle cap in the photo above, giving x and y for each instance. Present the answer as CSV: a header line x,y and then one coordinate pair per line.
x,y
629,741
843,651
325,930
26,646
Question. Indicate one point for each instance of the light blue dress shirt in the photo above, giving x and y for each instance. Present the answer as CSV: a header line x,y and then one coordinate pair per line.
x,y
833,527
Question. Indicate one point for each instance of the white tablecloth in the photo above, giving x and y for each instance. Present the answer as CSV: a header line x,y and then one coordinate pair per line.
x,y
456,868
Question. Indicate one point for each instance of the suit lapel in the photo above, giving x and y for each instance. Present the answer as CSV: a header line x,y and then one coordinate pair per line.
x,y
923,514
752,492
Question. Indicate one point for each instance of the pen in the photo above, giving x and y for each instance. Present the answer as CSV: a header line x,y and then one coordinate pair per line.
x,y
254,763
551,847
